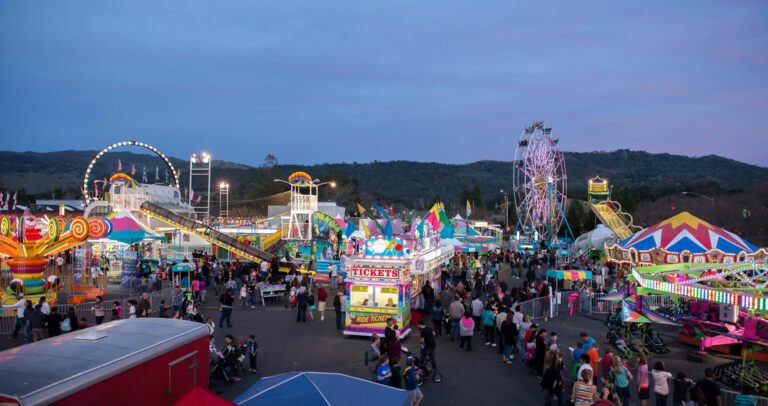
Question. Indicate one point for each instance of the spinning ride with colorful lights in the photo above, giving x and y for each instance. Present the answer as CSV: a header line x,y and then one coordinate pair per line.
x,y
721,277
540,184
27,245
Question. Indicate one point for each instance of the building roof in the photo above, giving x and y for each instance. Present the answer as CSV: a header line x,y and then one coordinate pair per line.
x,y
47,370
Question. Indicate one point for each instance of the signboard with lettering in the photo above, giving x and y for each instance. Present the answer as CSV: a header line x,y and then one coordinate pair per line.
x,y
378,273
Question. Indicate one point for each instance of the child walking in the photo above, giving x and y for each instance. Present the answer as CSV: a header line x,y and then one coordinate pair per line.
x,y
253,351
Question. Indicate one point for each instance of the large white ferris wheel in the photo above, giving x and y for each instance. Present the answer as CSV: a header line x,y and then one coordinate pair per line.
x,y
540,183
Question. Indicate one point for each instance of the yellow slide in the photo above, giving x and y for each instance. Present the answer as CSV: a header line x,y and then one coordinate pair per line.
x,y
273,238
611,215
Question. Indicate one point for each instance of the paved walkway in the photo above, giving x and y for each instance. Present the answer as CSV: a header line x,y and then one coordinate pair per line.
x,y
286,345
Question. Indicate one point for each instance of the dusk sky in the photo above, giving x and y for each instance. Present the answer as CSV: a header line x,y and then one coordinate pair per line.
x,y
329,81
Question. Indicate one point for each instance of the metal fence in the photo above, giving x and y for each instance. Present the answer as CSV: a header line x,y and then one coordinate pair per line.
x,y
729,396
87,310
593,303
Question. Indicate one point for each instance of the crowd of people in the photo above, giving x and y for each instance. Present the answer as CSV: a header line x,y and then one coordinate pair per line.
x,y
472,303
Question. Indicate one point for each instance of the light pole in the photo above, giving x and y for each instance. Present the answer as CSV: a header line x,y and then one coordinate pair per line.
x,y
710,198
224,195
506,209
200,166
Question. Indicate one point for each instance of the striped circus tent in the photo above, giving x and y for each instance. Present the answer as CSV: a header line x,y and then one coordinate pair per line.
x,y
682,238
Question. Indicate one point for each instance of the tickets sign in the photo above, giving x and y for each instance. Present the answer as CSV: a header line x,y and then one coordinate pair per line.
x,y
379,273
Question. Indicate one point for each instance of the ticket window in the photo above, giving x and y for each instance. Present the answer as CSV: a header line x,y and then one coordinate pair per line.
x,y
361,295
386,297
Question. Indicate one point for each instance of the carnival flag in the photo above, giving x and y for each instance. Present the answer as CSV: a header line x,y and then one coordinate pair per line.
x,y
469,209
133,169
144,173
388,229
1,199
157,174
15,194
365,229
119,165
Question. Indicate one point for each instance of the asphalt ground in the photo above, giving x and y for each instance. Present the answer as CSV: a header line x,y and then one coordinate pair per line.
x,y
468,378
478,377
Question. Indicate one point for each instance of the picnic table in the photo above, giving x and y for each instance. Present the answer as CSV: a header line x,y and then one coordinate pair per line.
x,y
267,291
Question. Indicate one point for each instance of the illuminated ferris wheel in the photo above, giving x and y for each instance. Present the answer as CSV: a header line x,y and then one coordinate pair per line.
x,y
539,183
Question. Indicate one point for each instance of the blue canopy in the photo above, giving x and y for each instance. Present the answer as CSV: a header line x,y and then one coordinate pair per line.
x,y
320,388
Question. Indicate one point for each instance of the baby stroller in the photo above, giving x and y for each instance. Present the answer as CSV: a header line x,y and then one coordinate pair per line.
x,y
218,371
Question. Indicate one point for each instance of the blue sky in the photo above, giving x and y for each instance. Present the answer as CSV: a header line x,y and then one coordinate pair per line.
x,y
329,81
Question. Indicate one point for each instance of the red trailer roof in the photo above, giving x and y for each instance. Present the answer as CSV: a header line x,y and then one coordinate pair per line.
x,y
50,369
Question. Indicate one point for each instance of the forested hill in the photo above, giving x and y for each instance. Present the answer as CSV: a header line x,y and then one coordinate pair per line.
x,y
408,182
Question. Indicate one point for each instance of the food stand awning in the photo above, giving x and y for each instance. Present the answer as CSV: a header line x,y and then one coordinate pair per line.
x,y
569,275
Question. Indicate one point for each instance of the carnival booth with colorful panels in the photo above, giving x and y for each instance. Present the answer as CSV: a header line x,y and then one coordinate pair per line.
x,y
378,287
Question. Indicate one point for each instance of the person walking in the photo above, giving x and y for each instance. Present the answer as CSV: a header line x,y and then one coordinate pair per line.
x,y
456,311
466,329
21,323
69,322
621,378
584,393
302,302
37,323
253,351
680,387
311,305
244,295
522,331
489,320
438,313
322,296
509,337
226,308
337,310
372,355
383,371
98,310
552,380
411,383
477,312
54,322
709,389
428,294
428,343
660,383
643,384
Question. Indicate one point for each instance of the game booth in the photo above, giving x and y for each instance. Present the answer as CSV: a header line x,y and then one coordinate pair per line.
x,y
378,287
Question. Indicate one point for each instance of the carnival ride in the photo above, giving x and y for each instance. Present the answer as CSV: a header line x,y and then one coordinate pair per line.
x,y
540,184
207,233
22,240
607,211
681,239
88,197
722,308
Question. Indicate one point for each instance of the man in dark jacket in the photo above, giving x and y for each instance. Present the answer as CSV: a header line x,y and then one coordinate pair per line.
x,y
428,294
37,323
145,309
302,300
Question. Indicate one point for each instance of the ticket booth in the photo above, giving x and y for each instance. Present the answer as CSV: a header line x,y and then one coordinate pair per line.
x,y
378,288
